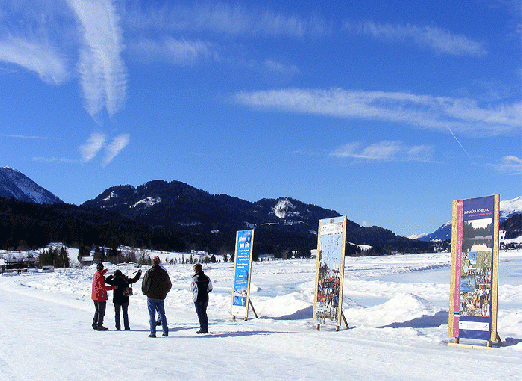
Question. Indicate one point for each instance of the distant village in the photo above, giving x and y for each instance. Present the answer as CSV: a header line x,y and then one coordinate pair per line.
x,y
57,255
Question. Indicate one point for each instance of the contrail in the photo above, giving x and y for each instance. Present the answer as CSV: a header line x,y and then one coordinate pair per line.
x,y
461,146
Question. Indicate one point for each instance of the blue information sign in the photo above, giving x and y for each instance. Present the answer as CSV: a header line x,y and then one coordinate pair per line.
x,y
243,261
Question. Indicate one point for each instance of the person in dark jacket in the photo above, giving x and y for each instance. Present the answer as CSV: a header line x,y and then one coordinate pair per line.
x,y
99,297
121,296
156,285
201,286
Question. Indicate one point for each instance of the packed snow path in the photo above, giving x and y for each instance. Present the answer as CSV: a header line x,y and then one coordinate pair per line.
x,y
397,304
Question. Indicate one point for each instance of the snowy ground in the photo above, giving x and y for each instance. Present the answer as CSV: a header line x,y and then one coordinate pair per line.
x,y
397,306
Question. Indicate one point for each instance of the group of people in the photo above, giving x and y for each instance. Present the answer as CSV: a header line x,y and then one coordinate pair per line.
x,y
156,285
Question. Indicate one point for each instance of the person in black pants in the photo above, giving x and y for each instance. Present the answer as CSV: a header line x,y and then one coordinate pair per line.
x,y
121,296
201,286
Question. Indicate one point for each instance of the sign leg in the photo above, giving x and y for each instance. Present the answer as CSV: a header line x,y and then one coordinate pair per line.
x,y
345,321
253,309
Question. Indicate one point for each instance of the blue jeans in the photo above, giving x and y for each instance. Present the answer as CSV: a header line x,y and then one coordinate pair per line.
x,y
125,309
153,305
201,310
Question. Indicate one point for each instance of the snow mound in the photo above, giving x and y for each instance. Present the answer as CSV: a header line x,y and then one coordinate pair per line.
x,y
399,309
290,305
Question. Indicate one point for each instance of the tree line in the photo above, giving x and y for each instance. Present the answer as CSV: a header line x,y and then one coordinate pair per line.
x,y
25,225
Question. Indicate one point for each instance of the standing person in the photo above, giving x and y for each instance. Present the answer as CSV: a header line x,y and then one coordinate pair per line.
x,y
156,284
99,297
121,296
201,286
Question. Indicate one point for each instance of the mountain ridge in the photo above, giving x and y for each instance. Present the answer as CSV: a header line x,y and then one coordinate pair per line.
x,y
14,183
191,211
181,206
508,210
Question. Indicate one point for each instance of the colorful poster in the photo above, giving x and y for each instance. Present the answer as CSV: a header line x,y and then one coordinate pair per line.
x,y
331,247
242,267
474,269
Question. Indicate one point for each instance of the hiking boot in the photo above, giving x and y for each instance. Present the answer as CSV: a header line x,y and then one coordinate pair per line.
x,y
152,335
101,328
165,334
201,331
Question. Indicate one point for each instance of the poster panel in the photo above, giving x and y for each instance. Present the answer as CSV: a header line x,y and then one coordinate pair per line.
x,y
242,266
474,269
331,248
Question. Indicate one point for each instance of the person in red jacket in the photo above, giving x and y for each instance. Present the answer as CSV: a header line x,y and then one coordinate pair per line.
x,y
99,296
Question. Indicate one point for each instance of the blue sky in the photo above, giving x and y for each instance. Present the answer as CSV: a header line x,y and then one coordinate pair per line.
x,y
382,111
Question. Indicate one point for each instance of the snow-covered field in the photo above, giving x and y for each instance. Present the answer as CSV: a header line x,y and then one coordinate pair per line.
x,y
396,307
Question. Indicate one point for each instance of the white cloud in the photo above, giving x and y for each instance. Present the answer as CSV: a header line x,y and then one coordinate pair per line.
x,y
420,153
222,18
92,146
435,38
97,141
25,137
178,52
53,160
113,149
510,164
438,113
102,70
384,151
36,56
278,67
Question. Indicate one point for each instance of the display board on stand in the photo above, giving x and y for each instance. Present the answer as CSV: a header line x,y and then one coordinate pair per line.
x,y
331,249
242,270
473,301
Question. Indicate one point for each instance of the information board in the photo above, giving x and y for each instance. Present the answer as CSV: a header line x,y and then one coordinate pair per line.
x,y
474,269
331,248
242,270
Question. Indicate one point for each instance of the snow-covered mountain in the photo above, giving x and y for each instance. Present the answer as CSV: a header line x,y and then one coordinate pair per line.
x,y
283,221
17,185
508,208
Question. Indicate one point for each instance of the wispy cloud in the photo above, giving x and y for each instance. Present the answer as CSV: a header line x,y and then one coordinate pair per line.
x,y
37,56
113,149
440,40
32,137
102,70
171,50
384,151
223,19
97,142
279,67
510,164
93,145
54,160
438,113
